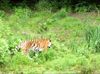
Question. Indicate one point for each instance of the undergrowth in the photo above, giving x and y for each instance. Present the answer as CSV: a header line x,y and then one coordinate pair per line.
x,y
75,43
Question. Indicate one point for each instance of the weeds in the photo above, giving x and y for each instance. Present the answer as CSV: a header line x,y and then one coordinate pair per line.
x,y
93,38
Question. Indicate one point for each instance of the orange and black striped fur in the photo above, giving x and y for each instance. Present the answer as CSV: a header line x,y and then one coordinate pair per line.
x,y
35,45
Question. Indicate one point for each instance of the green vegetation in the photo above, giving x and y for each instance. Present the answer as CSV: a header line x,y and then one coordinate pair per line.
x,y
75,42
52,5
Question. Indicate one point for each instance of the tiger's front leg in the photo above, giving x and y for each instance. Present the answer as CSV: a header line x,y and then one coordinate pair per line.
x,y
35,51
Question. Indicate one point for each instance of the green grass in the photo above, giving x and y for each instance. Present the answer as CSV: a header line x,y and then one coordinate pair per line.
x,y
75,42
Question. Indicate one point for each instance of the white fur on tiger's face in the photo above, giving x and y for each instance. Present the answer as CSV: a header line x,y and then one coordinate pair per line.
x,y
35,45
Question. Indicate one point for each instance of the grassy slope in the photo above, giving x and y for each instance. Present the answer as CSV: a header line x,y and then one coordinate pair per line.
x,y
69,51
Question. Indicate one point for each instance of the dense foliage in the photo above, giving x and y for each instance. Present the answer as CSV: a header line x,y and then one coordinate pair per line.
x,y
54,5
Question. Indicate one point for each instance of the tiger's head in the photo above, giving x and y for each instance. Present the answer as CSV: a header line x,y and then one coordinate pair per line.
x,y
49,43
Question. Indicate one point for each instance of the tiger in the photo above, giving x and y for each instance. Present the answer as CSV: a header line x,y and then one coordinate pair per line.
x,y
37,45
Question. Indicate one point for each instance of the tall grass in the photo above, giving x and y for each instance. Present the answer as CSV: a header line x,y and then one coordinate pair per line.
x,y
93,38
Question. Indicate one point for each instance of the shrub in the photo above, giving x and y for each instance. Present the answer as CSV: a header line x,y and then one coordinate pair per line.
x,y
43,5
2,14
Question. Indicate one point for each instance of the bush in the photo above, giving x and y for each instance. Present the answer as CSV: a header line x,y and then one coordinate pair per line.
x,y
4,33
43,5
61,14
7,42
2,14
